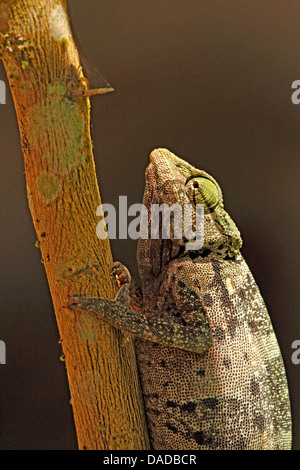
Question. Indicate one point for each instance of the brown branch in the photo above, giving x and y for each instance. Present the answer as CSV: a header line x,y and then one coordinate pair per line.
x,y
48,88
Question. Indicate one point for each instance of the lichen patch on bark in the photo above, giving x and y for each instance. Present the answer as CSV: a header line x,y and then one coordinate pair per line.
x,y
60,123
48,186
59,26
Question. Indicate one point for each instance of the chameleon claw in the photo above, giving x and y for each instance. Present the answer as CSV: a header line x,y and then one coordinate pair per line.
x,y
73,303
120,273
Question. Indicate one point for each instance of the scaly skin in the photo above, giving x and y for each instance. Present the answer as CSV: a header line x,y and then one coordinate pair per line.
x,y
211,370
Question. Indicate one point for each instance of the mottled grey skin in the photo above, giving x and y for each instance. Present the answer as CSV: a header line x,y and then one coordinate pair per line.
x,y
211,370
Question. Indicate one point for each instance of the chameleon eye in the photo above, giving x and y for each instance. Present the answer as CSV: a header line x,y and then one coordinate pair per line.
x,y
201,190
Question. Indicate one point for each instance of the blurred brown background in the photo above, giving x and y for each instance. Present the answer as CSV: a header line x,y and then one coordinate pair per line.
x,y
211,81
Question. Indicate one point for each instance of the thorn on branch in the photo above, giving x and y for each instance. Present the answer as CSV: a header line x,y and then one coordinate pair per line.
x,y
98,91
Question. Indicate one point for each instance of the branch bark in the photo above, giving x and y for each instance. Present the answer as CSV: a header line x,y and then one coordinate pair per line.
x,y
53,112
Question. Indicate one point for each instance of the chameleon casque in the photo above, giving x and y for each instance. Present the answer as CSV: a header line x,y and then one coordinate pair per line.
x,y
211,370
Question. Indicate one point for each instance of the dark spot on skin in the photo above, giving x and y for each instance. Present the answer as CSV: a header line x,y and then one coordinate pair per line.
x,y
193,254
246,356
201,372
219,333
227,362
166,384
172,428
176,314
181,284
162,363
173,278
199,437
259,421
208,300
179,268
171,404
196,282
210,403
206,252
254,387
242,294
253,326
189,407
232,324
229,256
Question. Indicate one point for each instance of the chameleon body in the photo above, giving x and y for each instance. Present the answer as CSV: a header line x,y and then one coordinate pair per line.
x,y
211,370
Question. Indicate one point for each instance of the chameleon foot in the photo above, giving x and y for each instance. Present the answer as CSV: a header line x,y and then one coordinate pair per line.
x,y
121,273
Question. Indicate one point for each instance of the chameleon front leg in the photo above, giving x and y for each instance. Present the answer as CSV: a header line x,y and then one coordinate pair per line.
x,y
123,276
121,316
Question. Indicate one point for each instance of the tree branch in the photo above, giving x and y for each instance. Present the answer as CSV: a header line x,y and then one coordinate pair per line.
x,y
48,88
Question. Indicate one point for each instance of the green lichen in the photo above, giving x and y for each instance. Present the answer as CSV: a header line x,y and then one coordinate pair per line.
x,y
64,42
13,72
24,64
88,332
12,43
48,187
73,272
59,124
56,89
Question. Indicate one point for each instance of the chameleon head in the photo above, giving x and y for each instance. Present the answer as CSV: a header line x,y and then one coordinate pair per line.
x,y
170,181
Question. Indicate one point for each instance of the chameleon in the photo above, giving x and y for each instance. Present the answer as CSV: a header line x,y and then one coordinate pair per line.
x,y
210,367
